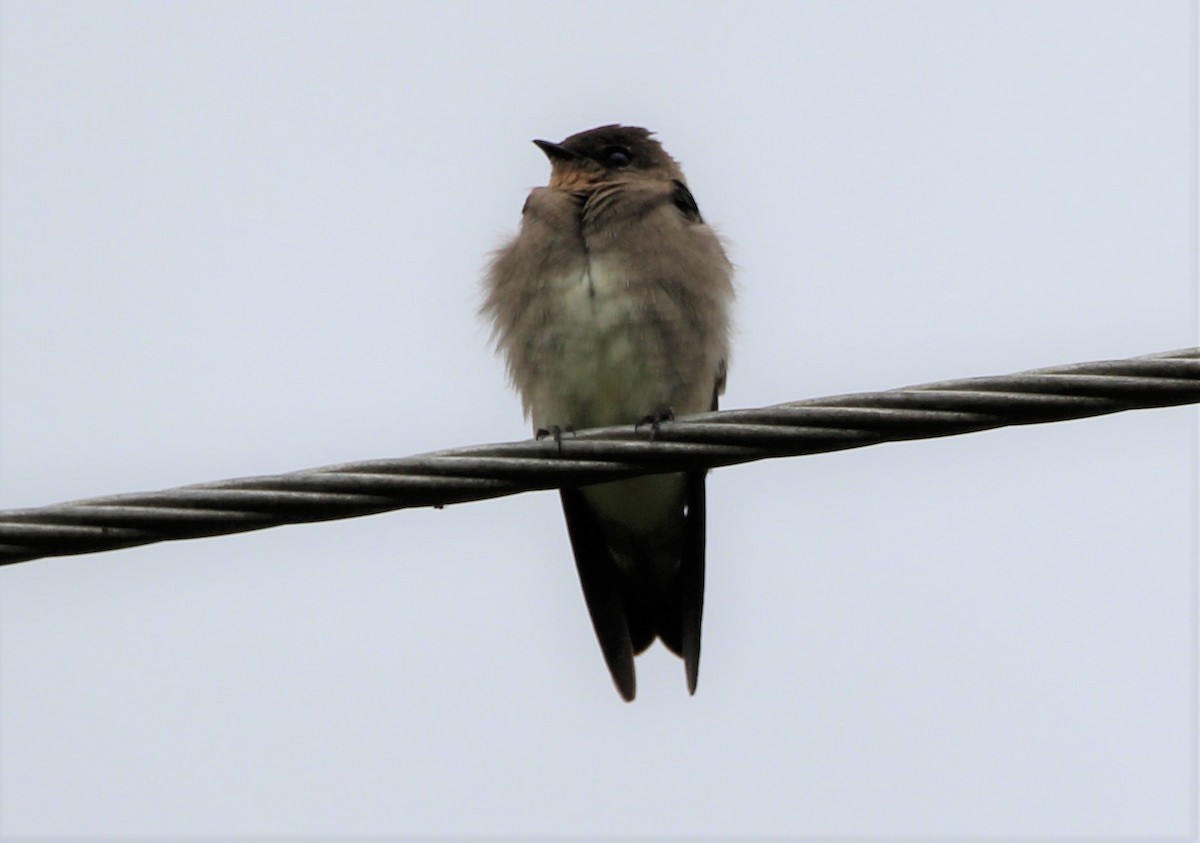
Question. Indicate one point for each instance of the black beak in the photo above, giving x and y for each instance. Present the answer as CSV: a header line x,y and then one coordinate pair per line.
x,y
555,152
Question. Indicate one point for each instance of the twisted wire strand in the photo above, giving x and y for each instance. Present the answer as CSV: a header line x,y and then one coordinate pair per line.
x,y
710,440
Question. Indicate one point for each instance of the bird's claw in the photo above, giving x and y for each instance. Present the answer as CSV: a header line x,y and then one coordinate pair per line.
x,y
655,421
554,431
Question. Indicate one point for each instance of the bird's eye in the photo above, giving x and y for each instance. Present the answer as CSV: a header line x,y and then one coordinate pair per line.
x,y
616,156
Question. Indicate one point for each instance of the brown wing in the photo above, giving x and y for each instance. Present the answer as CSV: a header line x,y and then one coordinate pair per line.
x,y
602,591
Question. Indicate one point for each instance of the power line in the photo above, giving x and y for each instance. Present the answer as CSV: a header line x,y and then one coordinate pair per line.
x,y
710,440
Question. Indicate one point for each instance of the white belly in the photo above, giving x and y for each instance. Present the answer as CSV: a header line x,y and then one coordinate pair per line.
x,y
603,358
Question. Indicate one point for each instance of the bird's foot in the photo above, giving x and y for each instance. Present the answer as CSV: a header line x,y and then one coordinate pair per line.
x,y
555,431
655,421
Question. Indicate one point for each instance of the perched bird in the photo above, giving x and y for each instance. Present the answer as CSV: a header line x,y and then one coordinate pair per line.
x,y
611,306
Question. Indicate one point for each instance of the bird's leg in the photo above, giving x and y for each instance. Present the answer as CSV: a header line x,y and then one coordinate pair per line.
x,y
655,421
556,432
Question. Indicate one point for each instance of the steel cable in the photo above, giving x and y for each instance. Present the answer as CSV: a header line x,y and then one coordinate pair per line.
x,y
710,440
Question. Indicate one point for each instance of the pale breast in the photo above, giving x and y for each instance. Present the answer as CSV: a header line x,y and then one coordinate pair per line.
x,y
611,312
603,353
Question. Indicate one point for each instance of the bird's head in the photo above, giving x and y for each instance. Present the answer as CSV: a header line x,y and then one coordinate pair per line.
x,y
608,153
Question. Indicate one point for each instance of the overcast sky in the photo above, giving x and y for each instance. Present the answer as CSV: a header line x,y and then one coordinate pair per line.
x,y
246,238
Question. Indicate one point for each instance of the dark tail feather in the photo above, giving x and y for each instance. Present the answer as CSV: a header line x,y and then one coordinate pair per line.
x,y
601,591
691,578
627,613
691,562
681,603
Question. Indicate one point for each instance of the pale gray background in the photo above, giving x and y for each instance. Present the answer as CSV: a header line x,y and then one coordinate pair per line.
x,y
246,238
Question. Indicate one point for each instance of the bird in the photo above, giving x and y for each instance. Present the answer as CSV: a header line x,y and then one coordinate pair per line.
x,y
611,306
